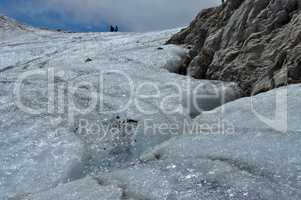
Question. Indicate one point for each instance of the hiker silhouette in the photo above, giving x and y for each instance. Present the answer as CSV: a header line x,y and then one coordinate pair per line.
x,y
112,29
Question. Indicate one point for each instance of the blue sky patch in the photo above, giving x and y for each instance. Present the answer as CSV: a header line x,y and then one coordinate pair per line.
x,y
97,15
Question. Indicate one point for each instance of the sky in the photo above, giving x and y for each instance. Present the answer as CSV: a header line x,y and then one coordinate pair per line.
x,y
97,15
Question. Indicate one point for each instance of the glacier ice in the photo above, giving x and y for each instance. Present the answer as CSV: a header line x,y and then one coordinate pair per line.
x,y
239,152
83,189
277,110
41,150
253,162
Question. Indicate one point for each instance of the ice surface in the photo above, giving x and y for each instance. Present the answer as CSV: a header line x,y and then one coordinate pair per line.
x,y
241,150
42,150
244,165
250,161
139,183
278,109
197,178
84,189
35,156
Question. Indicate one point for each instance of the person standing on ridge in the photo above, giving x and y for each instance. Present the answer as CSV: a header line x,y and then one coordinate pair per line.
x,y
116,28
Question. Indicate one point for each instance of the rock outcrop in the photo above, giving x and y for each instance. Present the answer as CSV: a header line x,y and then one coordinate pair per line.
x,y
10,28
8,24
256,43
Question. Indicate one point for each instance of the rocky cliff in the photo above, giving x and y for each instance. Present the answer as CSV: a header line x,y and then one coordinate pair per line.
x,y
253,42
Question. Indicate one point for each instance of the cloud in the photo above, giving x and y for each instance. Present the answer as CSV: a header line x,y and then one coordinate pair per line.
x,y
132,15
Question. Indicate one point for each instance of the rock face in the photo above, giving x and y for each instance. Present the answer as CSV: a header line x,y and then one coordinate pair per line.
x,y
253,42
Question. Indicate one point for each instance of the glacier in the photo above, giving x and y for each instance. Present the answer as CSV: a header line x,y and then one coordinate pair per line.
x,y
103,116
